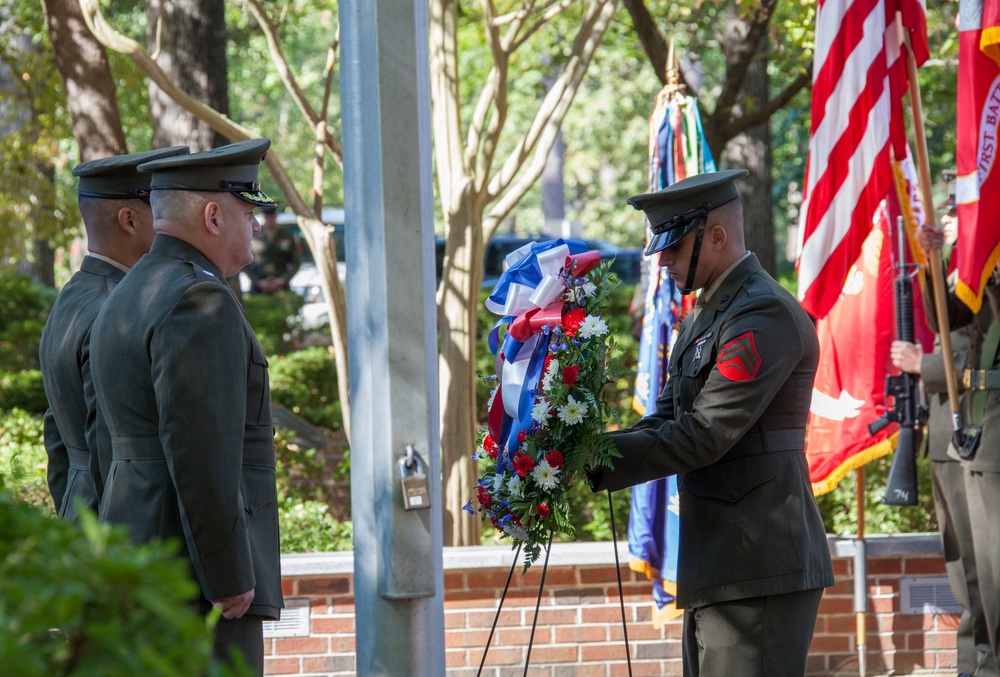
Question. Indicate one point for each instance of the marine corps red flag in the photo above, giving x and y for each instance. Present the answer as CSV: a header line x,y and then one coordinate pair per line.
x,y
977,190
854,340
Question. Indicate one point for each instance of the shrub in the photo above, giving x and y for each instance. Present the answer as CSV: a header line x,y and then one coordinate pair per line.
x,y
840,507
23,390
118,610
23,460
24,307
275,319
305,382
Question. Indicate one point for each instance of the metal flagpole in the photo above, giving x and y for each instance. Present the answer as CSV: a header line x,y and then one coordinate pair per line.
x,y
934,258
391,315
860,574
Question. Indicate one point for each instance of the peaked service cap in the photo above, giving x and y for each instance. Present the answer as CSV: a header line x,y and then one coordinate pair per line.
x,y
227,169
674,211
116,177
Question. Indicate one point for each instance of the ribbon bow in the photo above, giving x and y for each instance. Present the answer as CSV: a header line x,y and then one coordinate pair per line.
x,y
529,297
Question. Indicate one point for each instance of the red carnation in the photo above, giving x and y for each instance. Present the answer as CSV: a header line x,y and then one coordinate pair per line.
x,y
542,510
572,320
569,375
555,458
523,464
545,365
492,453
521,436
484,497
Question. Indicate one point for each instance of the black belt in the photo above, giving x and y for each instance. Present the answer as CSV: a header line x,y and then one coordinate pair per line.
x,y
150,449
771,441
981,379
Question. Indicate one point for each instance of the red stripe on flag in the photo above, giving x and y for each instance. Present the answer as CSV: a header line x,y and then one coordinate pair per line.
x,y
853,121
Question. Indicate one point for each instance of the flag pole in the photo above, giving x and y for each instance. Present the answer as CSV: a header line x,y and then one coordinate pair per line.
x,y
934,257
860,574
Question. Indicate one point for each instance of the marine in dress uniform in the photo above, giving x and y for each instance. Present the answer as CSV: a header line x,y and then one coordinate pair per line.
x,y
184,387
730,423
975,658
114,203
275,255
981,409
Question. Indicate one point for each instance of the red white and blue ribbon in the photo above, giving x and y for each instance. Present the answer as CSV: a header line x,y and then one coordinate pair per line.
x,y
529,299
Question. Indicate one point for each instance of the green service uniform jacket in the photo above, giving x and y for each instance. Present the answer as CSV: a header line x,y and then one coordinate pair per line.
x,y
183,384
76,438
730,423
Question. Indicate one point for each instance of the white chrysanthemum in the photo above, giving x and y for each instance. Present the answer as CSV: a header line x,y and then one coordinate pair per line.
x,y
514,531
515,485
592,326
588,288
553,370
498,482
546,476
540,412
572,412
493,394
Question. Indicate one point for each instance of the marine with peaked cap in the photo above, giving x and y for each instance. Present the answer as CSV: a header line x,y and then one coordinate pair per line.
x,y
730,423
184,387
114,202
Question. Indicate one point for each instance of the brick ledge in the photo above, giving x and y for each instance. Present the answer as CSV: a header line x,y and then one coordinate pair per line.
x,y
593,553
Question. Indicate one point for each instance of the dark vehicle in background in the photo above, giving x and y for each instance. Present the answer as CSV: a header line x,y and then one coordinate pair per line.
x,y
627,263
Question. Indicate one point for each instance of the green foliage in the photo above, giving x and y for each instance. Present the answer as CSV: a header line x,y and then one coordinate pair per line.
x,y
117,610
22,458
24,307
305,381
35,128
840,506
23,390
303,511
275,319
309,527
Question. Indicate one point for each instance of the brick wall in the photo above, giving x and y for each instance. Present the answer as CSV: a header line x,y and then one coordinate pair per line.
x,y
579,630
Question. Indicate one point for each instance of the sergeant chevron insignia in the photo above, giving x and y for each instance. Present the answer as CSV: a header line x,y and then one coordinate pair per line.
x,y
738,359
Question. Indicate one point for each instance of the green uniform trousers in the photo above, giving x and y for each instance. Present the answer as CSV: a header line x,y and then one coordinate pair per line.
x,y
753,637
952,507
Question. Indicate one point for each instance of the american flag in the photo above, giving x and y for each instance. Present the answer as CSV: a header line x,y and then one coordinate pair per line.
x,y
859,79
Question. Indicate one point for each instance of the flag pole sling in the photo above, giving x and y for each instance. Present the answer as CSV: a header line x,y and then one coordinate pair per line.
x,y
934,258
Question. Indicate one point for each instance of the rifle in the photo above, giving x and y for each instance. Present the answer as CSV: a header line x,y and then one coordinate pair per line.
x,y
901,390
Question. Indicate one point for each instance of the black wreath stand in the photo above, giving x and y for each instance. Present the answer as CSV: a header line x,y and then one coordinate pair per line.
x,y
538,602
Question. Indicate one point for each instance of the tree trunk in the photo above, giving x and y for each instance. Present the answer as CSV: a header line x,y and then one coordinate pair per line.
x,y
553,188
192,51
457,327
86,75
752,150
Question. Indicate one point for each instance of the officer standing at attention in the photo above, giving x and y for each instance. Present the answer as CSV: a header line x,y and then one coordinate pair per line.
x,y
730,423
975,658
981,456
114,203
183,384
275,255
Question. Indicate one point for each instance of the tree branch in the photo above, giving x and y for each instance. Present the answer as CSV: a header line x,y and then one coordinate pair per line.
x,y
738,62
291,83
545,127
763,114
